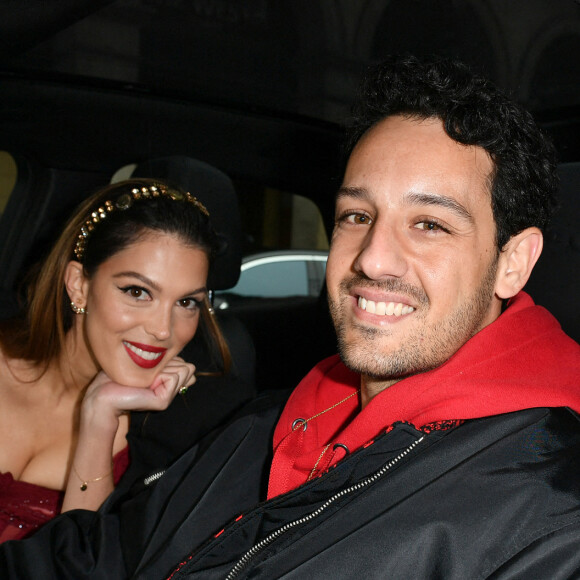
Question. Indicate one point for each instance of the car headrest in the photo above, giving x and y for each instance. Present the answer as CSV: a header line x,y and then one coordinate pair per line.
x,y
555,281
216,191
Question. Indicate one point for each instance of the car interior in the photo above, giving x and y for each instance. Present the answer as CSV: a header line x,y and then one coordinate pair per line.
x,y
244,104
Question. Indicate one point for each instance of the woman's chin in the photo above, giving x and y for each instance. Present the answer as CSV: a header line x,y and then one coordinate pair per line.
x,y
141,380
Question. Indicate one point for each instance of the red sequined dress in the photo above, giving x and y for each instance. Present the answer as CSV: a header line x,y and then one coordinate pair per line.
x,y
24,507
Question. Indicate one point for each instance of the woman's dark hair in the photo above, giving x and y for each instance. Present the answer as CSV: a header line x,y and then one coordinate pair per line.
x,y
109,221
474,112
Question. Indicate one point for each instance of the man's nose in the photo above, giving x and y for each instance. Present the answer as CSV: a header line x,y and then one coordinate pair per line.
x,y
382,253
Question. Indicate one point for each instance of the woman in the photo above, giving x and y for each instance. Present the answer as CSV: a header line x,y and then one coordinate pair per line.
x,y
119,296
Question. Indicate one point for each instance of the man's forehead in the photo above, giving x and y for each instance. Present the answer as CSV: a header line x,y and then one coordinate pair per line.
x,y
419,133
416,161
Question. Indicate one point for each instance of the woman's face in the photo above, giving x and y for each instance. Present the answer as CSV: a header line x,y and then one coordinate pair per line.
x,y
143,306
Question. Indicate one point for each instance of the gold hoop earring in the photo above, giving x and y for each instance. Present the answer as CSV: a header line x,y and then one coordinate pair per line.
x,y
77,309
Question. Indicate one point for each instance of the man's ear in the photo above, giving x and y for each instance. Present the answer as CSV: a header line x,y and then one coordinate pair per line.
x,y
517,260
76,283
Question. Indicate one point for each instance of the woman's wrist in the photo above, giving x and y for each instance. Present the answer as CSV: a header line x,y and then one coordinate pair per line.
x,y
84,482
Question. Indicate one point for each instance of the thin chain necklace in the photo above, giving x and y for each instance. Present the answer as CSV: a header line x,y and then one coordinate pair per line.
x,y
317,462
303,423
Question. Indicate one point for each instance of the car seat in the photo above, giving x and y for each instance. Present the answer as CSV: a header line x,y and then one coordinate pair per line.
x,y
216,191
39,205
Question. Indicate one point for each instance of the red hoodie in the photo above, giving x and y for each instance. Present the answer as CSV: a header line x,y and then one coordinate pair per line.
x,y
521,361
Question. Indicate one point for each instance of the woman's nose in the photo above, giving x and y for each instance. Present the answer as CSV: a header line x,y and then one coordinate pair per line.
x,y
159,323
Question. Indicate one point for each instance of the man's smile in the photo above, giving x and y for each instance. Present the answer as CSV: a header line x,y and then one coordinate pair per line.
x,y
384,308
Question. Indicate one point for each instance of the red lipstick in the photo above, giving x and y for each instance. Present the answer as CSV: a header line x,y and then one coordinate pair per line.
x,y
144,355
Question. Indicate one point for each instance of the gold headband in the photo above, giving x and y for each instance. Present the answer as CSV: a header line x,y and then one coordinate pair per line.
x,y
125,201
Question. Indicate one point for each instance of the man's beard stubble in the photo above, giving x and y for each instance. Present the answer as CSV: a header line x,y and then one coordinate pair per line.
x,y
424,347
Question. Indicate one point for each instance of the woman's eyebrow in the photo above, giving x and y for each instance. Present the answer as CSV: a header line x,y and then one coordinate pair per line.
x,y
202,290
152,284
141,277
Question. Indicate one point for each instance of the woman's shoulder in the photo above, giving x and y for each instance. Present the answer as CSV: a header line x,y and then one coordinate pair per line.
x,y
15,372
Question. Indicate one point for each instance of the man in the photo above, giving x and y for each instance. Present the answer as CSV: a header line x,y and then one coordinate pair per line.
x,y
441,444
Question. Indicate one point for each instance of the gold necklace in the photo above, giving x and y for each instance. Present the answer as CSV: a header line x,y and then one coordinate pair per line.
x,y
304,423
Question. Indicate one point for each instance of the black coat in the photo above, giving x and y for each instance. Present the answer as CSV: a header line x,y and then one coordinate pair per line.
x,y
493,498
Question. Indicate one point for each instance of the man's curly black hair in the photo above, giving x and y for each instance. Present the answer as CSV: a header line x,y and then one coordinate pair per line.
x,y
474,112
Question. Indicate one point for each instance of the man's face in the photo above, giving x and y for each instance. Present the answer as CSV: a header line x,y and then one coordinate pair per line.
x,y
412,265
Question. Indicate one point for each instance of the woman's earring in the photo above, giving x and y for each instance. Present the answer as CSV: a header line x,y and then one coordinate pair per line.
x,y
77,309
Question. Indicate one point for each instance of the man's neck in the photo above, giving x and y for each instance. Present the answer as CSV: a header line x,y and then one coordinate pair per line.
x,y
370,387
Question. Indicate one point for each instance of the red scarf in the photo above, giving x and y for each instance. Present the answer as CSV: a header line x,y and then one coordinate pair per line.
x,y
521,361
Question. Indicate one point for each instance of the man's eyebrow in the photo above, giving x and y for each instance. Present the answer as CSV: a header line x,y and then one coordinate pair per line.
x,y
441,201
413,198
354,192
150,282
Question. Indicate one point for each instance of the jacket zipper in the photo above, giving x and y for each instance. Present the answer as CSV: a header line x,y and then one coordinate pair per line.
x,y
252,552
149,480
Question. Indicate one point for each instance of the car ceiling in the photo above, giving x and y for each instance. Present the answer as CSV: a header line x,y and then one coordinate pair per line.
x,y
259,88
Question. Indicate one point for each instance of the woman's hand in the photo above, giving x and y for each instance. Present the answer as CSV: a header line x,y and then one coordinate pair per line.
x,y
106,400
102,411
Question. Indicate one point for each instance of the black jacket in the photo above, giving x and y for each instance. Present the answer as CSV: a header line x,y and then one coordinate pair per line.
x,y
493,498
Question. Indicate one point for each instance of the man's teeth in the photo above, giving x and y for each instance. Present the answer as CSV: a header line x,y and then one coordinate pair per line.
x,y
142,353
384,308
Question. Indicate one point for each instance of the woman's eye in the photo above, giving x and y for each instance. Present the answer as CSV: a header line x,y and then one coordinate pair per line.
x,y
136,292
189,303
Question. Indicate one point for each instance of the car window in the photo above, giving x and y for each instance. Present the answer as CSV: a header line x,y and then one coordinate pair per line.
x,y
274,279
285,248
279,274
273,219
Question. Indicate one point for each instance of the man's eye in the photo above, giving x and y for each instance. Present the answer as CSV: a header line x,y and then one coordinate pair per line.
x,y
430,226
359,219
